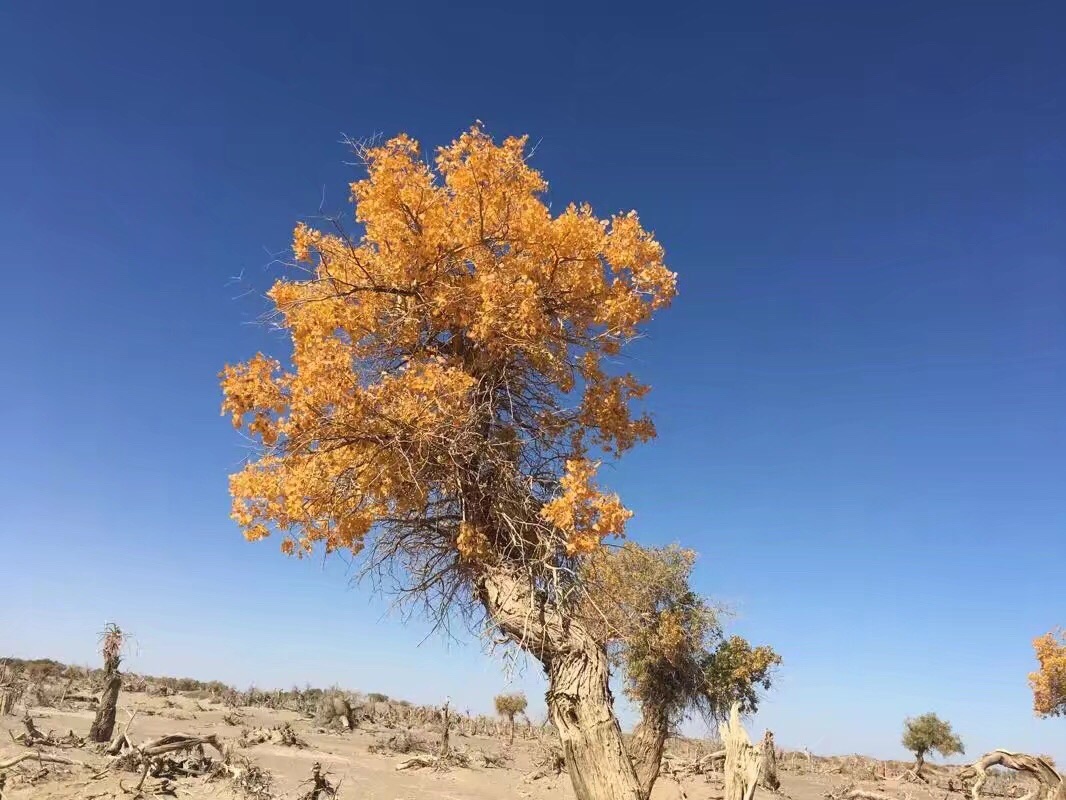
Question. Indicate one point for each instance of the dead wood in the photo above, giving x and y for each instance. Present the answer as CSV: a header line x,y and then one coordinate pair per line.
x,y
254,782
320,786
454,758
280,734
41,757
446,722
489,760
743,763
1051,784
851,793
550,763
768,772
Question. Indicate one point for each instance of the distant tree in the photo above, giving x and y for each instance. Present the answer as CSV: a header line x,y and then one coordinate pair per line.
x,y
111,643
451,392
928,734
509,706
377,697
1049,681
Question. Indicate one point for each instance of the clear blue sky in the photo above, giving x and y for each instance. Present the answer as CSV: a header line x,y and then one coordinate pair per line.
x,y
860,392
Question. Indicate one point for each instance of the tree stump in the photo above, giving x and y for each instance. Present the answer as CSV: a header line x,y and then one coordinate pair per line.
x,y
445,745
104,722
743,763
769,777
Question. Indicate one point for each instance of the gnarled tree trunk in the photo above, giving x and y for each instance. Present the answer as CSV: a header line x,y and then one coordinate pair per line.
x,y
579,699
646,747
743,763
104,722
1052,783
768,772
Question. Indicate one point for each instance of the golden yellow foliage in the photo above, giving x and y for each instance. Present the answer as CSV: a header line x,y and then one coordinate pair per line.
x,y
582,512
431,361
1049,681
668,640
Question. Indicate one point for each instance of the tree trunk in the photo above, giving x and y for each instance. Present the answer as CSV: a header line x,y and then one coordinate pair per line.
x,y
579,699
104,723
742,761
511,740
646,747
445,743
919,762
768,772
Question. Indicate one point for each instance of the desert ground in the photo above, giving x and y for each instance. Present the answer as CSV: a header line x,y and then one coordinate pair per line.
x,y
364,762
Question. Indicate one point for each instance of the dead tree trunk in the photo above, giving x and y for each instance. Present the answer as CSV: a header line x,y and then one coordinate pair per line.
x,y
768,770
104,723
579,699
446,721
742,761
646,747
1052,784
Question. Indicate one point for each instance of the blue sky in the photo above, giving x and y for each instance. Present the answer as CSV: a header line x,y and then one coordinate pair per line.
x,y
859,392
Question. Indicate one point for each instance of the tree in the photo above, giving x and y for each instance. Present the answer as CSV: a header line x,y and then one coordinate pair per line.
x,y
928,733
669,644
1049,681
111,642
510,705
448,400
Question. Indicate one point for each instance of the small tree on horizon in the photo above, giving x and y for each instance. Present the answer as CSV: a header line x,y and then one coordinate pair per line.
x,y
509,706
930,734
1049,681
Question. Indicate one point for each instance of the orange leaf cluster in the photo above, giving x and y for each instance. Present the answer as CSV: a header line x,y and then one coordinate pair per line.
x,y
444,337
1049,682
584,514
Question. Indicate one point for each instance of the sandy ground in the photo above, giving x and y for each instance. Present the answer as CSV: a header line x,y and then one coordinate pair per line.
x,y
344,756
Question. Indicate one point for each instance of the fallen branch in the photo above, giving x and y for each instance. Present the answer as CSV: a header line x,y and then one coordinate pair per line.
x,y
179,741
41,757
121,740
1052,784
453,759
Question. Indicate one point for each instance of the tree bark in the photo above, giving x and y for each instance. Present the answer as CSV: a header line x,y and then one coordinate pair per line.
x,y
446,722
511,739
742,761
1052,783
579,699
769,777
919,762
104,723
646,747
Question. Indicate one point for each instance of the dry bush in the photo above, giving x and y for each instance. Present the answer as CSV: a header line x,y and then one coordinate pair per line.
x,y
280,734
334,708
401,743
247,778
494,760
